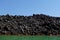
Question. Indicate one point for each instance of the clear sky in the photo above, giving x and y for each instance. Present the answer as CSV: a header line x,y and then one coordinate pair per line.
x,y
29,7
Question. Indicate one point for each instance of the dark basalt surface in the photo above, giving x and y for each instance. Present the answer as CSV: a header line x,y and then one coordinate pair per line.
x,y
38,24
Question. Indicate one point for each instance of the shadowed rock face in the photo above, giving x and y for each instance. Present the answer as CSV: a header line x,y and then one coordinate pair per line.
x,y
38,24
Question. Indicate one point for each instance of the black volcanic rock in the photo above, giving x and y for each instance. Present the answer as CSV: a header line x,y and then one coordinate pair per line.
x,y
38,24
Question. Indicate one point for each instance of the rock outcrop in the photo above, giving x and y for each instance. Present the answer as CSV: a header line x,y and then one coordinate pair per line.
x,y
38,24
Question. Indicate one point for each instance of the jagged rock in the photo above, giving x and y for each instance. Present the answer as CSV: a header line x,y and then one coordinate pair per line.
x,y
38,24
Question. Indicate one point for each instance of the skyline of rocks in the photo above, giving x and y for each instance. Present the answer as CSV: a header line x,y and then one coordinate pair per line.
x,y
37,24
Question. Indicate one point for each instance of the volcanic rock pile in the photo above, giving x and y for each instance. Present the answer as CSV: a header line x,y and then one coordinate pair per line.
x,y
38,24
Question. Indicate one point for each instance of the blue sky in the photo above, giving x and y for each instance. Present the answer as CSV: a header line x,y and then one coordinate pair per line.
x,y
29,7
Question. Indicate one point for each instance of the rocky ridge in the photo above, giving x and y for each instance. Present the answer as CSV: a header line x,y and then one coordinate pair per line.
x,y
38,24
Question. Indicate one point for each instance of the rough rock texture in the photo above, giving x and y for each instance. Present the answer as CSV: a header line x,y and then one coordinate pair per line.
x,y
38,24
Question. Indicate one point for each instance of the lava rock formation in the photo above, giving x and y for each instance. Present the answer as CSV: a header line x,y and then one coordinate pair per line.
x,y
38,24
